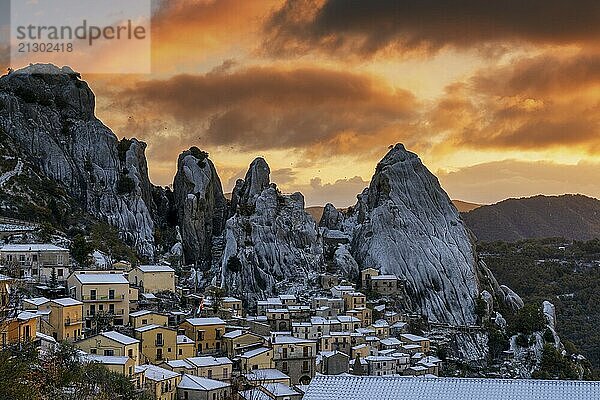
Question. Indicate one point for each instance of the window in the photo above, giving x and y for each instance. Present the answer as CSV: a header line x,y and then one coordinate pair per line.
x,y
180,352
144,322
111,294
60,272
285,353
305,352
186,395
130,353
94,351
284,367
159,339
109,352
159,354
111,308
209,373
200,335
93,294
93,309
305,367
225,373
101,307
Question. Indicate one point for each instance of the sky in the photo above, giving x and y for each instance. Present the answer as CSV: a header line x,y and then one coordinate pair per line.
x,y
499,98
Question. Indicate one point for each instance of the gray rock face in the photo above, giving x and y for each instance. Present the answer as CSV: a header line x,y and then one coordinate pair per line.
x,y
200,204
511,299
406,225
332,218
49,113
272,244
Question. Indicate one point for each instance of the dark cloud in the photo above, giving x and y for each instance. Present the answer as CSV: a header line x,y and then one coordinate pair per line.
x,y
548,101
270,108
366,27
498,180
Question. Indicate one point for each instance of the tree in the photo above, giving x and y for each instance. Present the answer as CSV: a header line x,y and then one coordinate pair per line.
x,y
528,320
81,250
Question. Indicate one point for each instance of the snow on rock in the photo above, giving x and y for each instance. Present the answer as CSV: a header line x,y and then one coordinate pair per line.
x,y
344,263
406,225
49,112
511,299
271,244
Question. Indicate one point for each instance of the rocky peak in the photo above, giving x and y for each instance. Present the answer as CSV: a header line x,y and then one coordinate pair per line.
x,y
332,218
200,204
257,179
49,113
410,228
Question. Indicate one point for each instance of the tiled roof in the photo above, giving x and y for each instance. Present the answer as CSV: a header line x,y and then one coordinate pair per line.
x,y
324,387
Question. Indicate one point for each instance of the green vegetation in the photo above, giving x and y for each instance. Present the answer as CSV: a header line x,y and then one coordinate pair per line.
x,y
125,185
555,366
567,274
81,250
105,237
59,375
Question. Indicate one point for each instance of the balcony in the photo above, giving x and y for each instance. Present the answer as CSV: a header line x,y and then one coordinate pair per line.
x,y
103,298
69,322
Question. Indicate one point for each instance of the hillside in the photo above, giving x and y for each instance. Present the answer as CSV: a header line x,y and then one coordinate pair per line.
x,y
570,216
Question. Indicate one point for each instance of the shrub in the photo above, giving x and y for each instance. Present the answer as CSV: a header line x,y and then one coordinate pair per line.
x,y
125,185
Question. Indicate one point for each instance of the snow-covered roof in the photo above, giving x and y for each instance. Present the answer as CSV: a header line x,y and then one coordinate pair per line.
x,y
208,361
391,341
266,374
155,268
192,382
146,328
279,389
31,247
384,277
26,315
67,301
347,318
290,340
96,279
182,339
233,334
254,352
350,387
155,373
254,394
179,364
119,337
37,301
205,321
141,313
106,360
413,338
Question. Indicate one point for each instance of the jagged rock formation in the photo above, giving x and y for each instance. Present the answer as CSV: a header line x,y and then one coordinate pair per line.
x,y
49,114
200,204
272,245
332,218
406,225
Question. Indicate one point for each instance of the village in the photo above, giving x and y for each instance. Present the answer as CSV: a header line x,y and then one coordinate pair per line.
x,y
176,342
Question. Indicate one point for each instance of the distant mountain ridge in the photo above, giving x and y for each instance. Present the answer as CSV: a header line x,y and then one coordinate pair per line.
x,y
571,216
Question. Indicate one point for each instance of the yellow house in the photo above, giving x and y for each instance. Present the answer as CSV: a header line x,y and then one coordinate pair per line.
x,y
206,332
416,340
66,319
353,300
120,364
364,314
212,367
153,278
185,347
101,293
260,358
21,328
146,317
111,344
238,341
159,382
157,343
366,275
